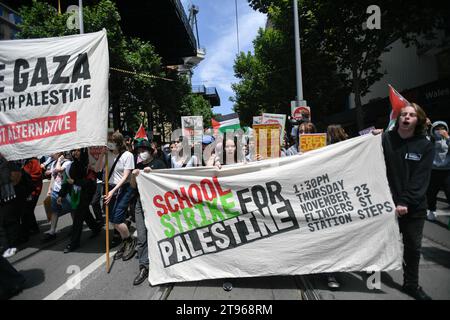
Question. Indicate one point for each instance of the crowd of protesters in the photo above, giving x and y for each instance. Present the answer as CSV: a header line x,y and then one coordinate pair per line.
x,y
76,187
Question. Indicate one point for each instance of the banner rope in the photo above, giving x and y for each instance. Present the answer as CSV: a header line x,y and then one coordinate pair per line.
x,y
140,74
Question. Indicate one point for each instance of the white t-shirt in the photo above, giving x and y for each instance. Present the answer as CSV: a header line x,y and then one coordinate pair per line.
x,y
126,162
193,162
58,176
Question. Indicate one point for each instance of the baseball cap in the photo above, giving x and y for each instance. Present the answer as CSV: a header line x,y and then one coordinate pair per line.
x,y
142,143
207,139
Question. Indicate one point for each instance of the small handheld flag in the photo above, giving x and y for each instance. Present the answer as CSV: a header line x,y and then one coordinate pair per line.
x,y
141,134
397,103
225,123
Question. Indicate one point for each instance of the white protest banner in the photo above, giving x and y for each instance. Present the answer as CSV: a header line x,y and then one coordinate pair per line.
x,y
53,94
323,211
269,118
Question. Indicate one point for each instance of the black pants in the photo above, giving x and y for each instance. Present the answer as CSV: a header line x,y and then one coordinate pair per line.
x,y
10,279
411,230
440,179
10,215
28,221
132,208
83,214
95,203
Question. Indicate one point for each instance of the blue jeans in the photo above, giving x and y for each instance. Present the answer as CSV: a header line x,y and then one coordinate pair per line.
x,y
118,205
60,210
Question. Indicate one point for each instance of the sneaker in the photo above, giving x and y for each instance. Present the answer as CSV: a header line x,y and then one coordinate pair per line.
x,y
70,248
130,248
333,284
431,215
9,252
49,237
142,275
227,286
416,292
119,254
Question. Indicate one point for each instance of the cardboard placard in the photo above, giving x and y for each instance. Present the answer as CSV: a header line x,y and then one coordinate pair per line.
x,y
312,141
266,142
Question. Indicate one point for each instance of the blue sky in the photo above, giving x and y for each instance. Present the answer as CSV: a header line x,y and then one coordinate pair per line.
x,y
216,22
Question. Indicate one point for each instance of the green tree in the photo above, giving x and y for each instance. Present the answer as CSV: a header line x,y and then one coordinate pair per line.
x,y
137,84
356,50
196,105
268,82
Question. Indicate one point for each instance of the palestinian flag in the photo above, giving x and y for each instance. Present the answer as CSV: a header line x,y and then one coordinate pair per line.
x,y
229,122
397,103
141,134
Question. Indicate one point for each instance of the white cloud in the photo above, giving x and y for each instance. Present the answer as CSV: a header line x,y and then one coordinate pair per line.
x,y
217,68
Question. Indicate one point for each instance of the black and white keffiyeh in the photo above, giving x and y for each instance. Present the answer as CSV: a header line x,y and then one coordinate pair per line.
x,y
7,192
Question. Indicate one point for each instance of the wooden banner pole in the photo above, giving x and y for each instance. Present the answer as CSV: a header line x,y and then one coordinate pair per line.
x,y
107,211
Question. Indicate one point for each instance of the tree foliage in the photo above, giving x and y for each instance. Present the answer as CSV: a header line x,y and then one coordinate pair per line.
x,y
196,105
335,30
133,96
268,81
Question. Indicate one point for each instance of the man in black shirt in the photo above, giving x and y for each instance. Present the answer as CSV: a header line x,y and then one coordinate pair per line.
x,y
145,153
409,157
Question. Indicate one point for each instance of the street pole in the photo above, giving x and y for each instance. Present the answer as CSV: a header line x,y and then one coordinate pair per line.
x,y
80,15
298,62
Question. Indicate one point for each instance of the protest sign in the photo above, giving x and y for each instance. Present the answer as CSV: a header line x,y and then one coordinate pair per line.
x,y
366,131
53,94
323,211
257,120
301,112
192,128
269,118
94,155
312,141
266,140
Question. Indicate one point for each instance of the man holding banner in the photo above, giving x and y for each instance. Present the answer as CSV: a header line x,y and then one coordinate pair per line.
x,y
409,158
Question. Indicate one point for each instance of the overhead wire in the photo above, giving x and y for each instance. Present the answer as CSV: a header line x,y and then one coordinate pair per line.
x,y
140,74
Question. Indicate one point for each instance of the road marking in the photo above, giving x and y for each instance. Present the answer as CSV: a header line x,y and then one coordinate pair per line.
x,y
71,284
